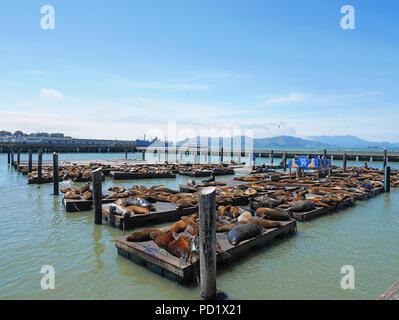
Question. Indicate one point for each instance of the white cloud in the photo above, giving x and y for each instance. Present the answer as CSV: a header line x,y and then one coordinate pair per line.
x,y
293,97
52,93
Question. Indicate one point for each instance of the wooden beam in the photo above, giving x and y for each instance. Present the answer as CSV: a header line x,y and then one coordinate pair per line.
x,y
97,195
207,242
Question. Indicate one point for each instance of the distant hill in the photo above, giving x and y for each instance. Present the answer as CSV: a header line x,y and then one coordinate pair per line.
x,y
349,141
280,142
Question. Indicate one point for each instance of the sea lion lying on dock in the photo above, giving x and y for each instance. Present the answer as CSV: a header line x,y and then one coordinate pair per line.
x,y
87,195
302,206
117,189
140,202
162,239
266,224
85,188
137,210
144,235
119,210
245,216
186,203
71,195
243,232
272,214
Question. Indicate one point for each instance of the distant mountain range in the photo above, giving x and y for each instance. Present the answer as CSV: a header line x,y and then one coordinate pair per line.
x,y
290,142
353,142
280,142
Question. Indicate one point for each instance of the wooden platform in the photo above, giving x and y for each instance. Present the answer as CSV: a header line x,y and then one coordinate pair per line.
x,y
165,211
77,205
121,175
392,293
160,261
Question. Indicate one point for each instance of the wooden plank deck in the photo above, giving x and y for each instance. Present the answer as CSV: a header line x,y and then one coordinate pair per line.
x,y
392,293
164,212
149,255
77,205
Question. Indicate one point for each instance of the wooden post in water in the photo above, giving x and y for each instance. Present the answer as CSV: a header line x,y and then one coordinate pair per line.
x,y
55,174
344,160
271,156
221,155
12,157
18,158
324,153
239,156
385,158
97,195
143,155
126,154
207,242
8,157
285,161
30,161
387,180
39,166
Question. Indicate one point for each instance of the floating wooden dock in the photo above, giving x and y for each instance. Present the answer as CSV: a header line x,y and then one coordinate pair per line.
x,y
121,175
392,293
164,212
77,205
149,255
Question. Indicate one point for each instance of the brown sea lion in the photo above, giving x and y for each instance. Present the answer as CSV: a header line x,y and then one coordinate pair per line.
x,y
144,235
266,224
117,189
186,203
302,206
180,247
85,188
192,227
138,210
224,227
162,239
71,195
88,195
178,227
272,214
121,202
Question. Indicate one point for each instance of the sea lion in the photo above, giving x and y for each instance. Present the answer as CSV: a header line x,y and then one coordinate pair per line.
x,y
266,224
302,206
88,195
267,202
162,239
143,235
178,227
119,210
117,189
139,202
191,226
272,214
121,202
243,232
224,227
71,195
164,189
138,210
244,216
186,203
179,248
85,188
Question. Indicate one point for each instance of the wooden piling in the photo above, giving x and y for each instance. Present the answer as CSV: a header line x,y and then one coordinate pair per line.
x,y
271,156
387,179
221,155
344,162
30,161
143,155
285,161
12,157
8,157
55,174
385,158
207,242
125,154
39,166
18,158
97,195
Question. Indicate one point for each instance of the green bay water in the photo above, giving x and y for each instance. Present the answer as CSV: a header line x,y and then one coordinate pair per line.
x,y
35,230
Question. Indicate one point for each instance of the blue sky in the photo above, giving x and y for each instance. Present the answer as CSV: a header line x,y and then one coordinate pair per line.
x,y
116,69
